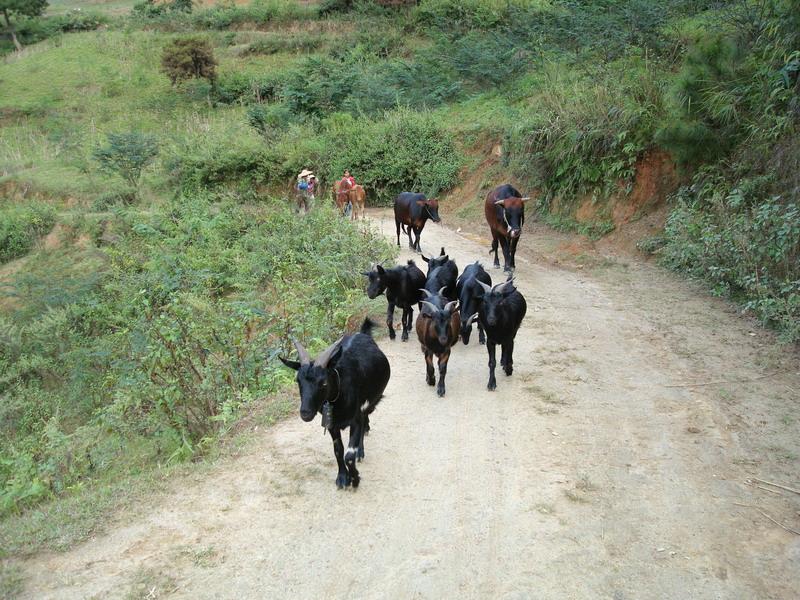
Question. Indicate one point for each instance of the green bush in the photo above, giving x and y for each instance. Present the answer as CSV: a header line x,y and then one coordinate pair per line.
x,y
149,346
127,155
405,151
21,225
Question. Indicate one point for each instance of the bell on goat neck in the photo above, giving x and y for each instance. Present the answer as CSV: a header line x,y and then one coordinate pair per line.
x,y
327,415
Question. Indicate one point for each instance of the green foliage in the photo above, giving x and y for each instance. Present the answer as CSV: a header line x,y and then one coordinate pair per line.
x,y
150,9
744,240
24,8
127,155
405,151
155,341
21,225
187,58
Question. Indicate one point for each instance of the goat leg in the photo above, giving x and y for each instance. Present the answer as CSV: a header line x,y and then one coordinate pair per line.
x,y
508,363
481,334
390,320
443,358
407,312
342,479
351,453
430,377
490,346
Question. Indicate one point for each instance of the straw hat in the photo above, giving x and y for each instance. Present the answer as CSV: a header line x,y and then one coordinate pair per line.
x,y
305,173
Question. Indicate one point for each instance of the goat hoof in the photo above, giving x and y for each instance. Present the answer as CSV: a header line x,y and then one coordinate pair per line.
x,y
356,480
430,381
404,337
508,370
360,453
492,386
440,392
392,334
343,480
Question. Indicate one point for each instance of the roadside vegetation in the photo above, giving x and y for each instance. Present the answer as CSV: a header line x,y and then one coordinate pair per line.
x,y
155,144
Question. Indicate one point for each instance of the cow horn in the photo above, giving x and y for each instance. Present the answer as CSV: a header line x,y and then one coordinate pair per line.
x,y
426,292
433,306
499,201
301,352
449,306
486,288
525,198
323,359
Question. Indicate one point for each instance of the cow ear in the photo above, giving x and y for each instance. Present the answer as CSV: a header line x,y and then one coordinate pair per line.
x,y
292,364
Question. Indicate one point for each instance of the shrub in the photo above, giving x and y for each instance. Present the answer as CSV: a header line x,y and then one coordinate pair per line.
x,y
127,155
187,58
21,225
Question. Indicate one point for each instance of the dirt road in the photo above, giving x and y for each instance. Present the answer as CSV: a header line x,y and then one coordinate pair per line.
x,y
612,464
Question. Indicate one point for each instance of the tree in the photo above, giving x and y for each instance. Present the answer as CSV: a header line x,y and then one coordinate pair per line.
x,y
20,8
127,154
187,58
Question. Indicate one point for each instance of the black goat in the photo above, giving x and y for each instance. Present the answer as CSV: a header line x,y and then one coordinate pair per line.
x,y
437,329
469,292
501,311
344,384
402,286
442,272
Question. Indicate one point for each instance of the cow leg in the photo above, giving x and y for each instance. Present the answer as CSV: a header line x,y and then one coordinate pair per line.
x,y
481,334
513,252
494,249
343,479
407,312
508,364
390,320
397,223
417,234
490,346
430,377
504,244
352,452
410,241
443,358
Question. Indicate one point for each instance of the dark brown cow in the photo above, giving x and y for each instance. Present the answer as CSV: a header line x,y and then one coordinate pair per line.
x,y
505,214
413,210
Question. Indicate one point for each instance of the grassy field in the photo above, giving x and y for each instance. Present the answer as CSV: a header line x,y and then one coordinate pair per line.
x,y
112,289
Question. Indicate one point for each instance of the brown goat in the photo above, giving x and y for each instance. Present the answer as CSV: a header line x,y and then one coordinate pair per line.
x,y
438,326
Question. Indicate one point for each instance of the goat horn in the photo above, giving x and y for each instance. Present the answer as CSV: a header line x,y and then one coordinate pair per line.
x,y
426,292
449,306
323,359
433,306
486,288
471,320
442,289
500,287
301,352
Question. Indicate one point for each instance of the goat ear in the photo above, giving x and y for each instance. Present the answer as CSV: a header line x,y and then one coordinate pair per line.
x,y
380,269
442,252
365,273
292,364
427,260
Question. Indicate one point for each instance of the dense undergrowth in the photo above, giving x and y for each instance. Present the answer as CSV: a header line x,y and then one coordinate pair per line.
x,y
138,337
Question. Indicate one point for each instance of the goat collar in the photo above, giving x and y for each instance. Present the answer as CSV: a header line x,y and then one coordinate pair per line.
x,y
338,387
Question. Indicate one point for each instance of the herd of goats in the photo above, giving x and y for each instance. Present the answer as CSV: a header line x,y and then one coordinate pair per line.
x,y
346,381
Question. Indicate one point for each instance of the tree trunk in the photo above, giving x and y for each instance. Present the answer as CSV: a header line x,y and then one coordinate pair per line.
x,y
13,33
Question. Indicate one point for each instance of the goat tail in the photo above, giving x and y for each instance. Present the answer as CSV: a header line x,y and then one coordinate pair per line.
x,y
367,325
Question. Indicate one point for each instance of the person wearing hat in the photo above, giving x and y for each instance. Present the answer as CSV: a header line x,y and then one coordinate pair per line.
x,y
312,187
302,190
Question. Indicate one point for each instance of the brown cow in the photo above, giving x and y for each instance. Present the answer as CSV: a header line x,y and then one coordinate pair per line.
x,y
343,194
413,210
505,214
